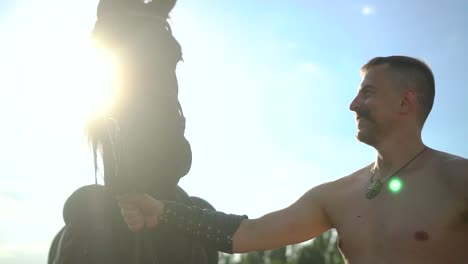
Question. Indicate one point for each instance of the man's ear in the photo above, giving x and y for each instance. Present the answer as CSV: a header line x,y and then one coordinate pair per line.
x,y
409,101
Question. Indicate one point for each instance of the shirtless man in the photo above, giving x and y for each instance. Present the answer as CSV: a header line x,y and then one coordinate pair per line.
x,y
409,206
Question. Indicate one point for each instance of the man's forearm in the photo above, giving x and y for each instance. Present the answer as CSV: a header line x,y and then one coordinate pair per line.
x,y
264,233
208,226
247,236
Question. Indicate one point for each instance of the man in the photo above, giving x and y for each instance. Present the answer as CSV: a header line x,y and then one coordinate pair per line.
x,y
409,206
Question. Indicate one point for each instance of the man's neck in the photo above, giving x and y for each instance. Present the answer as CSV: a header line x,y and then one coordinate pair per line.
x,y
395,152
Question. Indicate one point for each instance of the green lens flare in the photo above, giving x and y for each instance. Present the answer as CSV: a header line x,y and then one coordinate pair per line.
x,y
395,185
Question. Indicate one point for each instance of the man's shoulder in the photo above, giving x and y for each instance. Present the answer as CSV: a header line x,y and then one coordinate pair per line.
x,y
329,188
339,189
450,163
342,191
446,155
453,170
354,176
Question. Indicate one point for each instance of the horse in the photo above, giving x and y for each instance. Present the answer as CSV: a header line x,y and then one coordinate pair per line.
x,y
141,141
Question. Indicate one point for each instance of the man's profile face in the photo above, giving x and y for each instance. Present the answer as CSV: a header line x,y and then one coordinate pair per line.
x,y
376,105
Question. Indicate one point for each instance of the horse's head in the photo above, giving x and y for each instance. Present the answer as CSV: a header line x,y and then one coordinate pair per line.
x,y
141,137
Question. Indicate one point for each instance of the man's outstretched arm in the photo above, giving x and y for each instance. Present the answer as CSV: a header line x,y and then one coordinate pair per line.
x,y
303,220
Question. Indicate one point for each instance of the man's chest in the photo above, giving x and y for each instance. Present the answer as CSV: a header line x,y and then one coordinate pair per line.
x,y
423,217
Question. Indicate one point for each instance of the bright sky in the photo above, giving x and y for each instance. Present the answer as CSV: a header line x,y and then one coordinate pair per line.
x,y
265,87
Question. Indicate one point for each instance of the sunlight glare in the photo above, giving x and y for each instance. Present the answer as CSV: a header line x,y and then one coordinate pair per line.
x,y
100,79
76,81
60,78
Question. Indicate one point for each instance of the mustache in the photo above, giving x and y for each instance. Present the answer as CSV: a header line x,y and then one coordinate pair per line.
x,y
360,114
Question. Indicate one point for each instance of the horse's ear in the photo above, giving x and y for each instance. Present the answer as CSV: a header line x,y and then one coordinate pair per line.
x,y
102,7
106,7
161,7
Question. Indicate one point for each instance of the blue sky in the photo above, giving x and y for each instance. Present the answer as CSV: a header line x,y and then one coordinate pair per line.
x,y
265,87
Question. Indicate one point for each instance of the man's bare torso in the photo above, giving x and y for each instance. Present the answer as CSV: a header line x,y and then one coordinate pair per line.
x,y
426,222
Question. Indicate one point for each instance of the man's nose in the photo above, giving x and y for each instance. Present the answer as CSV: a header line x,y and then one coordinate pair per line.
x,y
354,106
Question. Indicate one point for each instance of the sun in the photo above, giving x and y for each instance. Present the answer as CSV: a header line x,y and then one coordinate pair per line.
x,y
73,80
91,74
58,73
97,72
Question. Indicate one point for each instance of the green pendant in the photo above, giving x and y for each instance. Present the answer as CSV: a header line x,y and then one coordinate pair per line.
x,y
374,189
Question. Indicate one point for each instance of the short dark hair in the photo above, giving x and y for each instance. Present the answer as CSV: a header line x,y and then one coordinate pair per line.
x,y
412,70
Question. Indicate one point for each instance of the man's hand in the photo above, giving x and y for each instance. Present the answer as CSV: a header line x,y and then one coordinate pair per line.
x,y
140,210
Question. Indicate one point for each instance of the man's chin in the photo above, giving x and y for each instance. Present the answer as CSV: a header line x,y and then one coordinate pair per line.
x,y
364,137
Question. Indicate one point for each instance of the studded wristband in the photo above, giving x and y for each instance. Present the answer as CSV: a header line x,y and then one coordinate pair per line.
x,y
208,226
